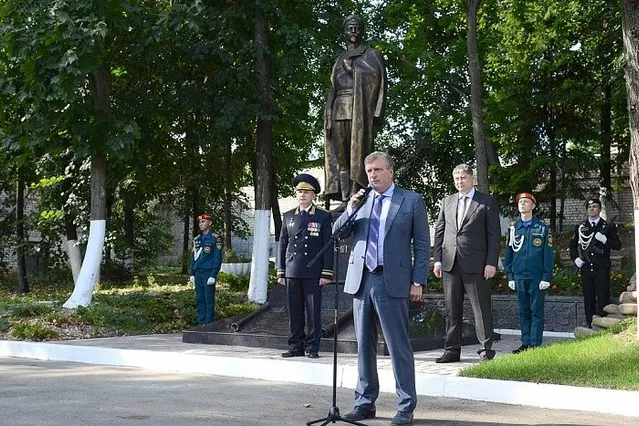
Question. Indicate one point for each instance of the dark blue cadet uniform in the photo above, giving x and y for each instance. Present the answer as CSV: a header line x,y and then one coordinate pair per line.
x,y
595,273
529,259
205,263
303,235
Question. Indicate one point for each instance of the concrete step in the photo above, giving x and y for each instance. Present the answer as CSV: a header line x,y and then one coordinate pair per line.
x,y
611,309
604,322
581,332
628,297
628,308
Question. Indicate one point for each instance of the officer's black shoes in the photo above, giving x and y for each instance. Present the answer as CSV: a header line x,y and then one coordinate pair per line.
x,y
449,356
360,413
312,354
291,353
521,349
402,418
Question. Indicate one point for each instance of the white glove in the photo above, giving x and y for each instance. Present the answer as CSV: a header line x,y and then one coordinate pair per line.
x,y
511,284
543,285
579,262
601,237
192,279
210,281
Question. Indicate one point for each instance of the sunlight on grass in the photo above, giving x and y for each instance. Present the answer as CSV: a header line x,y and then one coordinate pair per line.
x,y
606,360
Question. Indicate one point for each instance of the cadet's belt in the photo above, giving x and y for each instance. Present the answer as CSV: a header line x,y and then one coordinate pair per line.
x,y
377,270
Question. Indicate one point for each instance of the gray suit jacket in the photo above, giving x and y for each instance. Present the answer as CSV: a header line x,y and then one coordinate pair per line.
x,y
476,243
407,234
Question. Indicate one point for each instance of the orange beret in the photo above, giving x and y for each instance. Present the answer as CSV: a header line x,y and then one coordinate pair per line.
x,y
525,195
205,216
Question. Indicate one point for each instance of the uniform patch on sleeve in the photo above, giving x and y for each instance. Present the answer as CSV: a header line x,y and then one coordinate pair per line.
x,y
537,242
219,245
549,240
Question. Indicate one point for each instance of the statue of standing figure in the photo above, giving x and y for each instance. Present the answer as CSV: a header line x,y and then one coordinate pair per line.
x,y
354,112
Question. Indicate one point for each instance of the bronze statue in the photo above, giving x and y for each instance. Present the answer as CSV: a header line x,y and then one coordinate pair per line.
x,y
354,111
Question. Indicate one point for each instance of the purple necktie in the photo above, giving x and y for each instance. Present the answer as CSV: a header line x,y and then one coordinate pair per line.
x,y
373,234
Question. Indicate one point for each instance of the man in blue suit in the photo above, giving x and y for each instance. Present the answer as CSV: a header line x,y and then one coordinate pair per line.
x,y
205,265
382,276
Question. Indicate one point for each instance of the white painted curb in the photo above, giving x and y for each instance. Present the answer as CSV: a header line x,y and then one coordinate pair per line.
x,y
618,402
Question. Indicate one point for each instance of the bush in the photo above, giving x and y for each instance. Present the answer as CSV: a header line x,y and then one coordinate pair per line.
x,y
235,283
29,310
237,309
230,256
35,331
563,283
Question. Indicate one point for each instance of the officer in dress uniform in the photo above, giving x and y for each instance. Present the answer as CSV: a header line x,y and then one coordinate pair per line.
x,y
528,261
590,250
305,230
205,265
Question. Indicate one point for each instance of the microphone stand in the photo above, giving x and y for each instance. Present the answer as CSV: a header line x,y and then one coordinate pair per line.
x,y
335,240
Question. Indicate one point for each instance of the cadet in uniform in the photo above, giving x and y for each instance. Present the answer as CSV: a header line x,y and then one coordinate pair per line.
x,y
590,250
205,264
528,261
305,230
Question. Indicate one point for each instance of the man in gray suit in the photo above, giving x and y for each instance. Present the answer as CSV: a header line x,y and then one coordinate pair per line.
x,y
382,277
467,237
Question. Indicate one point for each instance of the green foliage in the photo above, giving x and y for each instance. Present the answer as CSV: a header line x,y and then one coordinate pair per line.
x,y
33,331
564,282
230,256
28,310
235,283
237,309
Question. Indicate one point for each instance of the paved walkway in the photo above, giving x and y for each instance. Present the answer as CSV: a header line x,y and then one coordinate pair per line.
x,y
169,353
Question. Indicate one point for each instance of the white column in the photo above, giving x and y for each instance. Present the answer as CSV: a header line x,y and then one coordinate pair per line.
x,y
258,285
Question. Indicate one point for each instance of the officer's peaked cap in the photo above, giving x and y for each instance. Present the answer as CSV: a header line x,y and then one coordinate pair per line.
x,y
307,182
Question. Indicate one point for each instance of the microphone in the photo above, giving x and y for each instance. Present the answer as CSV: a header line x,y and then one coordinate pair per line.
x,y
367,191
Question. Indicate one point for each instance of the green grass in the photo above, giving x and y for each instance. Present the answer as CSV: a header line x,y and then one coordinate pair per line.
x,y
159,302
606,360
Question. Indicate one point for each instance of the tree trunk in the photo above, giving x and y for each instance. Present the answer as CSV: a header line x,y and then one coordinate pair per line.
x,y
75,256
228,196
83,290
23,283
264,166
630,26
195,209
129,236
275,208
186,238
606,138
476,102
553,178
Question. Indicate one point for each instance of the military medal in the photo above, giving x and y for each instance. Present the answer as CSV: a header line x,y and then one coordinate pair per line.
x,y
313,229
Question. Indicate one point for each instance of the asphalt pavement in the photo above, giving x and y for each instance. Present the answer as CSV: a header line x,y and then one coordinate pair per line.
x,y
34,392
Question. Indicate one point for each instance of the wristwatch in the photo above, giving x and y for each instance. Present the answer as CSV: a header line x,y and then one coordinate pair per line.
x,y
417,284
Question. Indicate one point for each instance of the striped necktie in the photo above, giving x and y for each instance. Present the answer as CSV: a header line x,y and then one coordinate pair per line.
x,y
373,234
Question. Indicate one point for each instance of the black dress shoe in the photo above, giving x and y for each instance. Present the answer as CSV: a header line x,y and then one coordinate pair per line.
x,y
360,413
485,357
312,354
449,356
402,418
291,353
521,349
